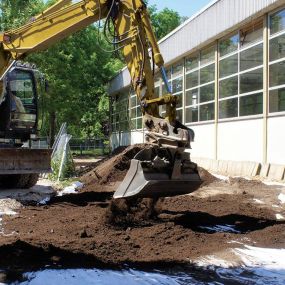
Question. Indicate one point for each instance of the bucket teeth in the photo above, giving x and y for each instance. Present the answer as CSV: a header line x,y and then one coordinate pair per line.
x,y
158,177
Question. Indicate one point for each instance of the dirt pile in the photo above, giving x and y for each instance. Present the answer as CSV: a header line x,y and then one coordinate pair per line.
x,y
115,168
206,176
89,229
112,169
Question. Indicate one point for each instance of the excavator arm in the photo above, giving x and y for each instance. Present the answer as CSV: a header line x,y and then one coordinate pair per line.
x,y
164,169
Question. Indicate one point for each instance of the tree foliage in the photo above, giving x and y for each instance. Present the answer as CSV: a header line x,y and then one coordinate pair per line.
x,y
14,13
164,21
76,68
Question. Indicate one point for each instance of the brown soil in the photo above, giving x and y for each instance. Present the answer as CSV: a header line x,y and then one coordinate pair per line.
x,y
112,169
89,229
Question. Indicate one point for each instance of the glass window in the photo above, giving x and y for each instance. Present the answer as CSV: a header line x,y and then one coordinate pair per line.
x,y
192,97
251,81
192,62
207,74
22,96
192,115
133,124
164,91
277,22
139,123
251,105
177,85
277,74
251,57
229,66
133,113
139,111
177,69
179,115
229,87
277,48
207,93
277,100
157,91
252,34
207,112
228,108
180,100
133,102
208,55
192,79
228,45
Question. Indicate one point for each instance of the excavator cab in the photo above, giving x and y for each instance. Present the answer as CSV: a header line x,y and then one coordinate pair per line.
x,y
19,103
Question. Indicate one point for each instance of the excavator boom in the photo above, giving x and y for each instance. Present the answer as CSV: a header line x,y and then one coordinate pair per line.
x,y
164,169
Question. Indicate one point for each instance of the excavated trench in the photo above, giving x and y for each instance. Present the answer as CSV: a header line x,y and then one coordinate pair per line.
x,y
90,230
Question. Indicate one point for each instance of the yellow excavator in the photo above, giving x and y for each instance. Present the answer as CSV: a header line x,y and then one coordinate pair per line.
x,y
162,169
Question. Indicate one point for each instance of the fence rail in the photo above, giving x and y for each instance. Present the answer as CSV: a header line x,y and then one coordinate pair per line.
x,y
89,146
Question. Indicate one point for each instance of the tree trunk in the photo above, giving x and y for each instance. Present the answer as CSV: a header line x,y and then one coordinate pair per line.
x,y
52,119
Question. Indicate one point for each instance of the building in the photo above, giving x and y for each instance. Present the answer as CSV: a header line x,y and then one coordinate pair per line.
x,y
227,66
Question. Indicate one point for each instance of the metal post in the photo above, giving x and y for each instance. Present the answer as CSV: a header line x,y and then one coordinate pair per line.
x,y
266,86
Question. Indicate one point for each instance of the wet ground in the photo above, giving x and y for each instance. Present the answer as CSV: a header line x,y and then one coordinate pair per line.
x,y
230,231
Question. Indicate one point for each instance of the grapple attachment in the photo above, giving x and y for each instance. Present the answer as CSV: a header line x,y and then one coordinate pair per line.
x,y
159,172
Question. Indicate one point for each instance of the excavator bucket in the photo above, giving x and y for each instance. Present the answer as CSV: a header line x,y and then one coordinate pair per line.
x,y
157,172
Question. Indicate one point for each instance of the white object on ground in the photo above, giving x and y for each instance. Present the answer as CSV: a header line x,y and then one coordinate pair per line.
x,y
275,206
268,258
281,198
279,217
258,201
44,201
8,212
72,189
221,228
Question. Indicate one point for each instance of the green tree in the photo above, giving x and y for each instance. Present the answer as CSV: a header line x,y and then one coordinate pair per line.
x,y
14,13
77,70
164,21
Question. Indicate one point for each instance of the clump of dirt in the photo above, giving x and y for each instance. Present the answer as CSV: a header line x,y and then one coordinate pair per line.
x,y
112,169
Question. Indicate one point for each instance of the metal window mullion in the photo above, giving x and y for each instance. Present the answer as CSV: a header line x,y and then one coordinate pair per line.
x,y
198,87
184,92
251,92
217,72
239,75
265,85
276,87
251,45
229,76
277,61
276,35
228,55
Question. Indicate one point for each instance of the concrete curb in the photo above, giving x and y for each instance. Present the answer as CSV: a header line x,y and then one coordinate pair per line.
x,y
242,168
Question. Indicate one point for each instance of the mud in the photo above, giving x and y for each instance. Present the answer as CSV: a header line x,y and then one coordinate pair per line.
x,y
88,229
